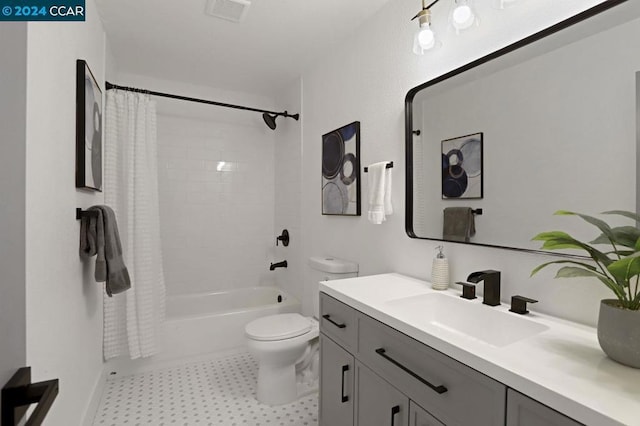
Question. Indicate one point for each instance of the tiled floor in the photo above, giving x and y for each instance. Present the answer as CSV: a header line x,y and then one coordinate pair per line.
x,y
213,392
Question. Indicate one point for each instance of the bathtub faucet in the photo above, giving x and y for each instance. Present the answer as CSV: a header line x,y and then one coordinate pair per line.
x,y
282,264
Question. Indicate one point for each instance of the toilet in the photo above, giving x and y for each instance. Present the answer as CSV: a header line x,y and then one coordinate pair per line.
x,y
286,345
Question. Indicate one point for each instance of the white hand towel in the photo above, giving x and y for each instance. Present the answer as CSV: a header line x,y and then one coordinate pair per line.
x,y
379,192
388,207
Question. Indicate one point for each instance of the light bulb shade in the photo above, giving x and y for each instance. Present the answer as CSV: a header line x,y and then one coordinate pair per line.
x,y
424,40
463,15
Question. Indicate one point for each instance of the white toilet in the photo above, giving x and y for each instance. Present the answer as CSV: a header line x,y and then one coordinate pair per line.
x,y
286,345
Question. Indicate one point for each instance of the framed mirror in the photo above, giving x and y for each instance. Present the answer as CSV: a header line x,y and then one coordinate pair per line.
x,y
547,123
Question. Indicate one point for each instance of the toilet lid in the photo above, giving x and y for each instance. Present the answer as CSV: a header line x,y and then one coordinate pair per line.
x,y
278,327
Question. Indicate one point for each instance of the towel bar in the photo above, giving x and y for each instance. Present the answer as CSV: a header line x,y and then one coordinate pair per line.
x,y
19,392
388,166
84,213
477,212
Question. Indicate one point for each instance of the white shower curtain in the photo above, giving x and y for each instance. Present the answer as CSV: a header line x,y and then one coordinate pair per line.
x,y
132,319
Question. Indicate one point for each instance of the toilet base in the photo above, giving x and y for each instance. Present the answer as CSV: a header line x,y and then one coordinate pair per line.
x,y
281,378
290,387
283,384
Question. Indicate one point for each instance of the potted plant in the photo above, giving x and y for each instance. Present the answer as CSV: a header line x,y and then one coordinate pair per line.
x,y
617,267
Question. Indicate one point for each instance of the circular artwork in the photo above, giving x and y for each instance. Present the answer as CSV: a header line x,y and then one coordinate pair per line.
x,y
462,167
348,170
471,151
335,198
332,154
348,132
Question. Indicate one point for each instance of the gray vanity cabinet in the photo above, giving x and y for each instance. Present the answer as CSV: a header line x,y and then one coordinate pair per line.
x,y
377,402
524,411
337,373
398,381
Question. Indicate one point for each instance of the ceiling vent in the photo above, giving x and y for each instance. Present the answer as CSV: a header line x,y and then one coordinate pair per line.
x,y
231,10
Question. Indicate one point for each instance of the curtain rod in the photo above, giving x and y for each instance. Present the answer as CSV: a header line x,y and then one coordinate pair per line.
x,y
111,86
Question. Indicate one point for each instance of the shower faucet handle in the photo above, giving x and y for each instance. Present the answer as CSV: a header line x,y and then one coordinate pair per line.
x,y
284,237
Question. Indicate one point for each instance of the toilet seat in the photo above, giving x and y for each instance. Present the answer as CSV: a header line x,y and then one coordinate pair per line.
x,y
278,327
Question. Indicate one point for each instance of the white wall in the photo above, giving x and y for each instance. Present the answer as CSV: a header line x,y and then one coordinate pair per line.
x,y
216,225
13,47
376,69
64,304
288,190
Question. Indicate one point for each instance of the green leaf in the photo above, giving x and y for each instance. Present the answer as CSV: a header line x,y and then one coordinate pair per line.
x,y
600,224
626,236
630,215
573,272
558,240
626,268
544,265
620,252
637,246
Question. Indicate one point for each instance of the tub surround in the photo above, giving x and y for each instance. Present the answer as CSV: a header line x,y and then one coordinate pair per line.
x,y
562,367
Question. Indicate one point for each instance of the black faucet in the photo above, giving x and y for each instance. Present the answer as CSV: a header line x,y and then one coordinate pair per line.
x,y
282,264
491,280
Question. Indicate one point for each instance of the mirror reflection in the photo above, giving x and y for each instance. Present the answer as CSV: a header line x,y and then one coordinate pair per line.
x,y
548,126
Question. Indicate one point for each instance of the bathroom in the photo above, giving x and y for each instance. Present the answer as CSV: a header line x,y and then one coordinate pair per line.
x,y
48,294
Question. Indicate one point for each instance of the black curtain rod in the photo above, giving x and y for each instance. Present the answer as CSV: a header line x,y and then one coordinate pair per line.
x,y
111,86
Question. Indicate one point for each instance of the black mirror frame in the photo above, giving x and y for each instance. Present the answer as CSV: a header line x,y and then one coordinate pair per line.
x,y
408,107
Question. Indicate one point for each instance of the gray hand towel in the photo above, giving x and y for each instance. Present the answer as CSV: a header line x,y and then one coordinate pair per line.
x,y
99,236
459,224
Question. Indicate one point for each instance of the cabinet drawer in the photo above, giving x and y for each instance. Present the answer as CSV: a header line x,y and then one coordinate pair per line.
x,y
338,321
452,392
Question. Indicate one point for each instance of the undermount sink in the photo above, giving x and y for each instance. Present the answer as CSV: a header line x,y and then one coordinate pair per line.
x,y
462,317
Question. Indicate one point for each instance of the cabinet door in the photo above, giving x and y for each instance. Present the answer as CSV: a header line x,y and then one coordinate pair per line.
x,y
419,417
378,403
337,374
524,411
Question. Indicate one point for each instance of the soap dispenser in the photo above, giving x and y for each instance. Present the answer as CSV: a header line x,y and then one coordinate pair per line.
x,y
440,271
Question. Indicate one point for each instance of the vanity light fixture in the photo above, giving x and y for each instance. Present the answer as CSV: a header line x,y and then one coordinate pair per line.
x,y
463,15
424,39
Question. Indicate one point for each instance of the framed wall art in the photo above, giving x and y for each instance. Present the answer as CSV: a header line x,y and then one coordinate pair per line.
x,y
462,165
88,129
341,171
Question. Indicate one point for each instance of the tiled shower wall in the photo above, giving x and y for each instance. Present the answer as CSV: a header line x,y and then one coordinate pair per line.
x,y
216,189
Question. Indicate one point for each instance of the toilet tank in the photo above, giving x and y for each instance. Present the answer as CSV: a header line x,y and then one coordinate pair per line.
x,y
325,268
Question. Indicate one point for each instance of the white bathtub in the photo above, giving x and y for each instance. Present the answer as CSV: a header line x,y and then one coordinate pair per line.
x,y
200,323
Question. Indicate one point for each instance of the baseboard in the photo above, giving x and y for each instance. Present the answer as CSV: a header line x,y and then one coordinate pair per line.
x,y
96,396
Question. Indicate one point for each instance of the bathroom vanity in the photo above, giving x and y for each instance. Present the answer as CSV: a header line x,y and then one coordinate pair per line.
x,y
395,352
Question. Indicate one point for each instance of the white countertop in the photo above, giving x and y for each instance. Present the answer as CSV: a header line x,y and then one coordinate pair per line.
x,y
562,367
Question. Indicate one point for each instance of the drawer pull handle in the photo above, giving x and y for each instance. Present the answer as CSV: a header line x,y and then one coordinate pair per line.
x,y
328,318
394,410
343,397
382,353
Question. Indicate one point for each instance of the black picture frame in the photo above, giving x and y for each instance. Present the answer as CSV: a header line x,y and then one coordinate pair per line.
x,y
463,167
88,129
340,191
